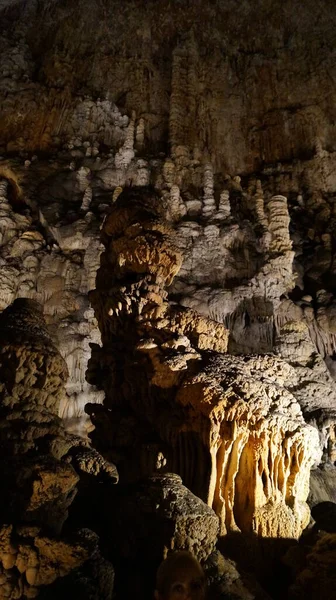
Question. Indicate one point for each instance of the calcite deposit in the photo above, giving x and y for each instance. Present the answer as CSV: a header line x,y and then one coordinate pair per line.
x,y
41,464
184,153
56,268
228,425
221,118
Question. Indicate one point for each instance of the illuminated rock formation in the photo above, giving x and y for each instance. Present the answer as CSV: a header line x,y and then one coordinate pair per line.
x,y
228,425
34,564
226,109
55,266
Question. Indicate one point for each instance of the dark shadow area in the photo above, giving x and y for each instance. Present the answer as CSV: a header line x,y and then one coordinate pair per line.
x,y
130,539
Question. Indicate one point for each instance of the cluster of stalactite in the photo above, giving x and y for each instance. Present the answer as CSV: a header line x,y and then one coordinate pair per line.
x,y
229,426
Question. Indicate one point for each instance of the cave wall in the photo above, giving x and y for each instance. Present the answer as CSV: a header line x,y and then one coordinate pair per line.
x,y
221,116
224,110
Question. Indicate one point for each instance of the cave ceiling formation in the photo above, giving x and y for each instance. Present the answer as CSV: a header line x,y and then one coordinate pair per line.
x,y
179,158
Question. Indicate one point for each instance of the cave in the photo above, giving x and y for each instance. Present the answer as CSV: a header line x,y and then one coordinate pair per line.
x,y
167,298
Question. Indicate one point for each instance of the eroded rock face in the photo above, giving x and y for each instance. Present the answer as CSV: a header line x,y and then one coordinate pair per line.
x,y
228,425
41,464
159,515
34,564
56,267
225,581
229,118
226,110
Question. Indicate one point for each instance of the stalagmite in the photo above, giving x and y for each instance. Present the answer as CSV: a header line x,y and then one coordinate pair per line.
x,y
41,464
278,218
86,199
238,437
209,205
259,205
126,153
140,133
224,209
177,207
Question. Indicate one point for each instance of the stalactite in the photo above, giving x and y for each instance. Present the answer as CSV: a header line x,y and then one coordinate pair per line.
x,y
235,412
176,113
182,112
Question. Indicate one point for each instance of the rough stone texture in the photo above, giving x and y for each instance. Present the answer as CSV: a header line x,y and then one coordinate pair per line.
x,y
225,581
322,485
140,522
41,464
31,563
57,268
261,64
260,447
228,425
158,515
230,111
226,109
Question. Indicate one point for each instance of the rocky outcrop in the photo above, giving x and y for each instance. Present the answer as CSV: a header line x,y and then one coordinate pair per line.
x,y
158,515
225,581
41,465
243,84
322,485
228,426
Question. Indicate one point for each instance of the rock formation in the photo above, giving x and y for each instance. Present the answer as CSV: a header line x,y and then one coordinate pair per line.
x,y
57,268
229,426
41,465
244,114
209,129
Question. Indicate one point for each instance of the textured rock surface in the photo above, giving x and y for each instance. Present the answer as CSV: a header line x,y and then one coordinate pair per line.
x,y
322,485
158,515
228,425
226,110
139,523
229,111
57,269
34,564
225,581
40,463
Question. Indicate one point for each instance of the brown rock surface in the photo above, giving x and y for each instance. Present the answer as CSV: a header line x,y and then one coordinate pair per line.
x,y
233,108
227,425
40,463
158,515
226,110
